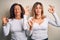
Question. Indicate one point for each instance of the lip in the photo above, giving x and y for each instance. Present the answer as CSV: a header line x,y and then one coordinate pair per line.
x,y
17,12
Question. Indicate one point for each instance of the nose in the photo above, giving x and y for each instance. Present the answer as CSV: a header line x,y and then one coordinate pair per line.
x,y
38,9
16,10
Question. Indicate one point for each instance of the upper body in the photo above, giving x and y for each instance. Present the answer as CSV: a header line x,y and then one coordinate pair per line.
x,y
40,31
16,24
16,28
39,23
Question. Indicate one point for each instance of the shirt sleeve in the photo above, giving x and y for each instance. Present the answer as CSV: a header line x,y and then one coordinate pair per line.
x,y
26,25
56,22
6,29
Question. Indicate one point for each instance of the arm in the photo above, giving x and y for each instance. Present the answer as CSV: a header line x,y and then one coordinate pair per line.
x,y
52,11
26,26
26,21
56,22
6,29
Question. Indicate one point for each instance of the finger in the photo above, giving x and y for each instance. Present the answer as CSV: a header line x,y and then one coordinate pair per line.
x,y
51,7
29,23
3,18
7,19
27,7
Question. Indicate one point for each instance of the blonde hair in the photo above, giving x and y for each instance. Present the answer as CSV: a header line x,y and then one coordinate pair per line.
x,y
34,7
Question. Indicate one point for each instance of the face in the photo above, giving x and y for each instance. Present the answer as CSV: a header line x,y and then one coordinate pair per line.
x,y
38,9
17,10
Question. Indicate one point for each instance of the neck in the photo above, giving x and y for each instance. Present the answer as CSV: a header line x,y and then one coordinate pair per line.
x,y
38,16
18,17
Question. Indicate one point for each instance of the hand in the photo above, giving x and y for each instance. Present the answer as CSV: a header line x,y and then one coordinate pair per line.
x,y
30,24
27,10
4,20
51,9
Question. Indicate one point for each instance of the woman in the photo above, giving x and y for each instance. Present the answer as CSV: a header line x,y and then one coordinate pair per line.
x,y
39,23
16,23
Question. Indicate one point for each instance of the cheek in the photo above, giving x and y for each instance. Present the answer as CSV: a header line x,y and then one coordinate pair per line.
x,y
40,10
15,11
36,11
18,11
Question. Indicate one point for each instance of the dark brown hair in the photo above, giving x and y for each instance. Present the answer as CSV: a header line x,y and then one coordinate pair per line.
x,y
12,15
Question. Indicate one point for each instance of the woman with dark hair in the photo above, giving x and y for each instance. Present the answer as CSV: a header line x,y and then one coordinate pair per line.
x,y
39,23
16,24
12,12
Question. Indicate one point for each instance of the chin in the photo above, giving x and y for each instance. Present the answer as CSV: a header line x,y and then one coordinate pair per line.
x,y
38,14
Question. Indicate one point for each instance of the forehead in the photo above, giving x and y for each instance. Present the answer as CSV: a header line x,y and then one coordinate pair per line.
x,y
17,6
38,5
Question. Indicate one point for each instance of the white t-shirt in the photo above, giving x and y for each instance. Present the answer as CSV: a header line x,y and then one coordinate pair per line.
x,y
39,31
17,29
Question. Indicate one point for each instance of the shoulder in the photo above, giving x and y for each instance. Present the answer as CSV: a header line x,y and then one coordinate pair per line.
x,y
22,20
47,18
10,20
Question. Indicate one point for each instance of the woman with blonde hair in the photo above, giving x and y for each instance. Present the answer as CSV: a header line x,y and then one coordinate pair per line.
x,y
39,23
